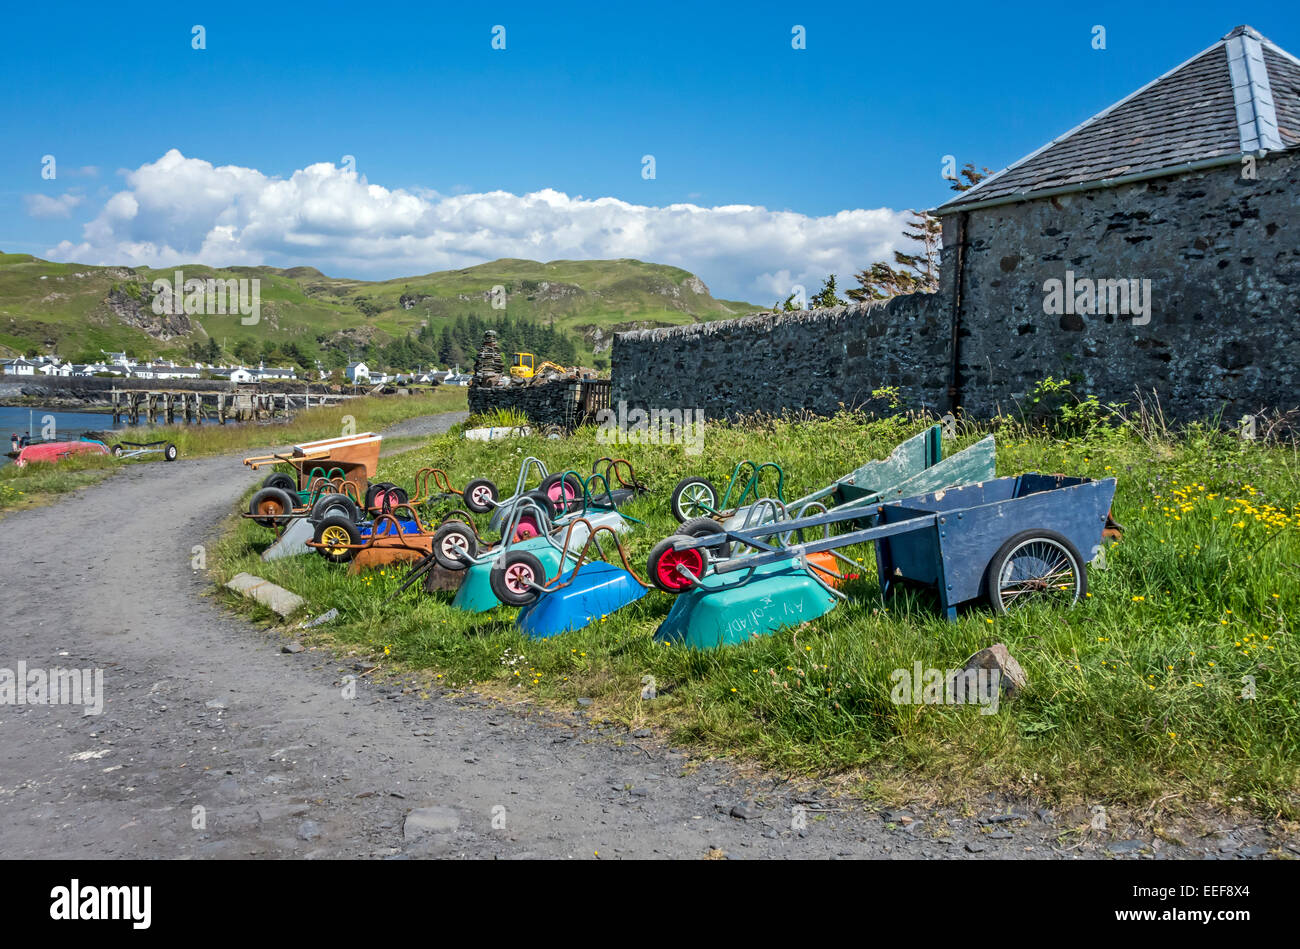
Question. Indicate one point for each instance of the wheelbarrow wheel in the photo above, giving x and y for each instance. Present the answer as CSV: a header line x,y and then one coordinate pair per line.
x,y
664,561
334,505
480,495
268,504
564,496
513,575
693,497
280,480
450,541
1035,566
702,526
335,534
169,452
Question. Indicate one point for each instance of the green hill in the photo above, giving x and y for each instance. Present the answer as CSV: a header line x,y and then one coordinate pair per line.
x,y
76,310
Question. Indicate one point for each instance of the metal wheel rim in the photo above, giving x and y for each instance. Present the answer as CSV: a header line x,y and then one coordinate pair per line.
x,y
696,500
1053,574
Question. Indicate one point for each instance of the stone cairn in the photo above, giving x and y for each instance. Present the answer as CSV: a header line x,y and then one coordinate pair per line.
x,y
489,367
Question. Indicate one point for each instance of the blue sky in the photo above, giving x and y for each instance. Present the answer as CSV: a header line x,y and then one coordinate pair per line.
x,y
858,120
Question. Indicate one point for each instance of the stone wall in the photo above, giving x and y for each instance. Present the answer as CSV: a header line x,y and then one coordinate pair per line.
x,y
814,360
1222,253
545,404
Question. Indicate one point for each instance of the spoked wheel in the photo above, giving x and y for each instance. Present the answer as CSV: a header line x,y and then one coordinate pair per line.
x,y
514,577
694,497
664,561
451,543
1036,566
335,534
480,495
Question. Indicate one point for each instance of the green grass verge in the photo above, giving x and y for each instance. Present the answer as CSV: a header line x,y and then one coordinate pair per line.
x,y
41,483
1135,696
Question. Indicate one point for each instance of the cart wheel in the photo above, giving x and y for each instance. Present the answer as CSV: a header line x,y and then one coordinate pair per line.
x,y
1035,566
699,527
117,451
527,527
334,505
664,561
553,432
336,533
267,504
693,497
282,481
452,540
480,495
169,452
566,496
512,577
391,499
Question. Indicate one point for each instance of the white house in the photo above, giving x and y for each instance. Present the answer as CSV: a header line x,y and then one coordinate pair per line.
x,y
357,372
55,369
18,367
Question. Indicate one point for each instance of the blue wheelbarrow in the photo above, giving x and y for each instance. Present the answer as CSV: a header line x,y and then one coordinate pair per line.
x,y
1012,541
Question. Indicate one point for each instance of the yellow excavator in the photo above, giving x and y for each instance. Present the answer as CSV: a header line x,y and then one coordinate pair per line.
x,y
523,366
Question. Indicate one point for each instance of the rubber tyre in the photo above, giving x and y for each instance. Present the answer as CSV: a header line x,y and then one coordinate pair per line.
x,y
282,481
683,509
117,452
334,505
269,502
462,533
662,555
1005,552
566,499
511,574
332,528
701,526
169,452
480,495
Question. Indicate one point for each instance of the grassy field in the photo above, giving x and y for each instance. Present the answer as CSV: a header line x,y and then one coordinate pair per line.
x,y
42,483
1140,696
44,303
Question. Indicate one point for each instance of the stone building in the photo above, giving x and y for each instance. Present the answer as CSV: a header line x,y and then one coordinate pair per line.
x,y
1155,246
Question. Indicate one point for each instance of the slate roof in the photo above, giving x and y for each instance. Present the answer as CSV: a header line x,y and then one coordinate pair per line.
x,y
1241,95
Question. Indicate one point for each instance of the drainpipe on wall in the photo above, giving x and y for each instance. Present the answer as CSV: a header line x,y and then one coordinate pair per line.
x,y
954,381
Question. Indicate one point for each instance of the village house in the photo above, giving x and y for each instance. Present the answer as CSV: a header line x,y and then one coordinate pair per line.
x,y
357,373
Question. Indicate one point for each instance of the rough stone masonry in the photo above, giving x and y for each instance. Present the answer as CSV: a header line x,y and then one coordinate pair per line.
x,y
1221,251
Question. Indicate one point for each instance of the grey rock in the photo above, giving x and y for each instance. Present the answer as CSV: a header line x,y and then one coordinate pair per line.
x,y
308,830
431,820
292,647
584,702
974,847
746,811
1127,846
326,617
996,657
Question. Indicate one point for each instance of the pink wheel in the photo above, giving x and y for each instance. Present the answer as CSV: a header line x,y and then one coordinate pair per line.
x,y
527,527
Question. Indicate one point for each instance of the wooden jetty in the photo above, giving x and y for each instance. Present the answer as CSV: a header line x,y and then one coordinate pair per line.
x,y
243,403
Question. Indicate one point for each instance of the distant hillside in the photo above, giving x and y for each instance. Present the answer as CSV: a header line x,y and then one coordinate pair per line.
x,y
78,310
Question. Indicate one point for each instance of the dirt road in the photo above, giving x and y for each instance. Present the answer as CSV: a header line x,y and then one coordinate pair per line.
x,y
214,743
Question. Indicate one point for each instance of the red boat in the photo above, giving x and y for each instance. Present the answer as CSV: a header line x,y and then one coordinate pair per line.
x,y
57,451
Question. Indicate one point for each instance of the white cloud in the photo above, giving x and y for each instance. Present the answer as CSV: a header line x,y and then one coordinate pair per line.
x,y
41,205
184,210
